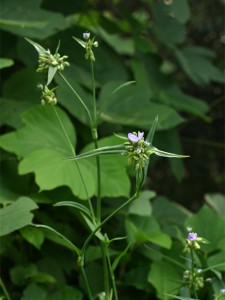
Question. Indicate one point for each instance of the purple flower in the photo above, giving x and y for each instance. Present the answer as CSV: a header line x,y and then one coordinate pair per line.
x,y
134,137
222,290
86,35
192,236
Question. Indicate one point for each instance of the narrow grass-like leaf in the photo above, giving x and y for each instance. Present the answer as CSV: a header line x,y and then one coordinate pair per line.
x,y
57,48
118,258
93,227
70,244
122,86
51,73
181,298
74,205
151,132
38,47
82,43
120,136
166,154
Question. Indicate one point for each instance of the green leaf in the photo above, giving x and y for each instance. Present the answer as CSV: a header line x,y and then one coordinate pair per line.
x,y
142,205
216,201
216,261
51,73
142,229
185,103
114,178
34,292
82,43
131,106
6,63
167,29
16,215
48,164
38,47
197,64
67,241
76,205
33,235
66,293
118,258
163,277
26,18
179,9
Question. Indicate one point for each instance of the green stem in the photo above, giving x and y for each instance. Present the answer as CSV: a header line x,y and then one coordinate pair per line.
x,y
192,272
78,167
79,98
105,270
105,221
86,283
4,289
99,202
94,96
111,274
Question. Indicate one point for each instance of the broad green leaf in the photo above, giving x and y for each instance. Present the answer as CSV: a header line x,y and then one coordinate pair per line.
x,y
6,63
142,205
167,29
182,102
163,277
26,18
197,64
66,293
131,106
16,215
215,223
179,9
217,202
43,146
146,229
217,261
35,292
170,214
114,178
33,235
122,45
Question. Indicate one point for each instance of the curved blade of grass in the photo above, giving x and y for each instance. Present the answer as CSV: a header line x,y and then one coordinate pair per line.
x,y
74,205
70,244
123,85
118,258
166,154
38,47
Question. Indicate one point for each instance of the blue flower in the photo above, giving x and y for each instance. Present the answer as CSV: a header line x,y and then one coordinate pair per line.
x,y
86,35
192,236
134,137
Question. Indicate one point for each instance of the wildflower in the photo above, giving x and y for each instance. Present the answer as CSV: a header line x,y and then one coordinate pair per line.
x,y
134,137
189,228
192,236
86,35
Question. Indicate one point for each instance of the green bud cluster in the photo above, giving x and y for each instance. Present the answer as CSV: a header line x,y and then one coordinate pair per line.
x,y
194,245
47,60
48,96
195,281
138,153
89,54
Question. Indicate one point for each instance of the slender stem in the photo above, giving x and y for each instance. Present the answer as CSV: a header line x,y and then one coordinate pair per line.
x,y
93,90
105,270
105,221
99,202
78,167
192,273
111,273
86,283
4,289
78,97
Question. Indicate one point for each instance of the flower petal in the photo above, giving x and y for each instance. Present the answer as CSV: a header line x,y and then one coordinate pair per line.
x,y
140,135
132,137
